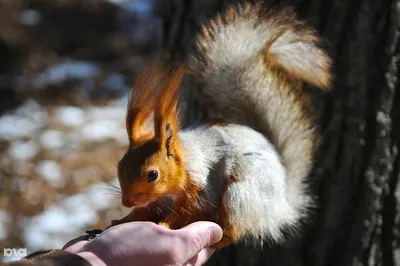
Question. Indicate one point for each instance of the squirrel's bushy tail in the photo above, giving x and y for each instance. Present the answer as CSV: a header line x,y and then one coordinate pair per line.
x,y
251,65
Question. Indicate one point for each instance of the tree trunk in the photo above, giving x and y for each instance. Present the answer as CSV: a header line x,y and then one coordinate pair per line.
x,y
357,171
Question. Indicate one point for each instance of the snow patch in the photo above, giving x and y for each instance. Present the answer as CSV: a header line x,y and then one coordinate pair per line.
x,y
3,224
121,137
115,82
139,8
70,116
121,102
100,130
30,17
67,219
14,127
24,122
23,151
52,139
100,197
31,188
51,172
106,112
67,69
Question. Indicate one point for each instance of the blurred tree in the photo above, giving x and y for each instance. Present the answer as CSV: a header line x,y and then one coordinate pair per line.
x,y
358,219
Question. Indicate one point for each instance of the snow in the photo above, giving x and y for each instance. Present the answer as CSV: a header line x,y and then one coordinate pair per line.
x,y
82,216
139,8
100,130
34,235
31,188
99,197
70,116
121,138
74,140
3,222
67,69
30,17
121,102
106,112
52,139
55,226
14,127
51,172
54,219
25,121
106,122
29,130
115,82
68,218
23,151
28,107
47,229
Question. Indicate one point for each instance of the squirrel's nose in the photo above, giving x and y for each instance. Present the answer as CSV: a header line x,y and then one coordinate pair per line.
x,y
128,202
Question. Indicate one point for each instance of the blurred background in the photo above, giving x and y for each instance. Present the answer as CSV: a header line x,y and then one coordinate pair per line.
x,y
66,67
65,70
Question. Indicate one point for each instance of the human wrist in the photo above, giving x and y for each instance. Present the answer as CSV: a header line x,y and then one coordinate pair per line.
x,y
91,258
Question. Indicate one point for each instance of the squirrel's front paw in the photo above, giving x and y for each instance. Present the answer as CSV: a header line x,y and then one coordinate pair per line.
x,y
117,222
224,242
164,224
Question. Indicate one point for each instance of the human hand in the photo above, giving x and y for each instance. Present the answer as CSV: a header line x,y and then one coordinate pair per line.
x,y
146,243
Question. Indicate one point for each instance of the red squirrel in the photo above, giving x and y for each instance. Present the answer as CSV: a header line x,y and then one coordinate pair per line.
x,y
248,173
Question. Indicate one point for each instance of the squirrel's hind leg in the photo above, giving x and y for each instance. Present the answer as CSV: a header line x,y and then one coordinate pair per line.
x,y
254,204
230,232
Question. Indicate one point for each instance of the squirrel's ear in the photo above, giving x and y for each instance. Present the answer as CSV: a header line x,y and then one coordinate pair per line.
x,y
169,139
166,116
141,104
296,49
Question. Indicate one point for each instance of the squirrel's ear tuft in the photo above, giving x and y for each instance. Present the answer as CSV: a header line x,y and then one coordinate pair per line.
x,y
295,47
141,104
166,116
169,139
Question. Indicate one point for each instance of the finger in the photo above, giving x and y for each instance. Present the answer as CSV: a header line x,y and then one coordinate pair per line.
x,y
201,257
75,246
76,240
197,236
209,232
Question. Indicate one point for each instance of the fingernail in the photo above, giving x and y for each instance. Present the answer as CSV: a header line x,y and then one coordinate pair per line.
x,y
213,229
215,234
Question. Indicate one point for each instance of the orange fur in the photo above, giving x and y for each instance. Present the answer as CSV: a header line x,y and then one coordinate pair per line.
x,y
167,114
231,234
216,122
141,104
156,92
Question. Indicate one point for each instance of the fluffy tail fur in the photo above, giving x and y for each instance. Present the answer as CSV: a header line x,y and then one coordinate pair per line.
x,y
251,65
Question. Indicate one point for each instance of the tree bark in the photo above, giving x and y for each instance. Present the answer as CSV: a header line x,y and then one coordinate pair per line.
x,y
357,171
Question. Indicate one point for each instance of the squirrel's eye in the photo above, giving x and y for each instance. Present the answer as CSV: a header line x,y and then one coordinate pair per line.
x,y
152,175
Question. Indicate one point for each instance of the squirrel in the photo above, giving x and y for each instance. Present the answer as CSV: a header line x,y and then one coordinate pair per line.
x,y
248,170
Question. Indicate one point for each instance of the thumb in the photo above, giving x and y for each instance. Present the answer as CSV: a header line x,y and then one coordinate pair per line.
x,y
197,236
76,244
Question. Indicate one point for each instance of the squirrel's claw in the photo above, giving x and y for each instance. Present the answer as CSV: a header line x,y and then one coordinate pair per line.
x,y
224,242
